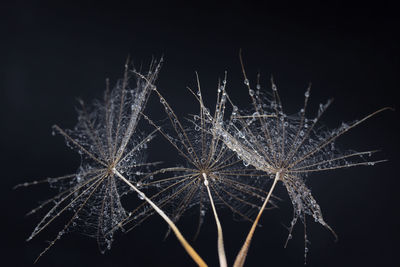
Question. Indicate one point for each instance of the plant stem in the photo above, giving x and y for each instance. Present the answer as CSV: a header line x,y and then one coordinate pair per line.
x,y
192,253
241,257
221,249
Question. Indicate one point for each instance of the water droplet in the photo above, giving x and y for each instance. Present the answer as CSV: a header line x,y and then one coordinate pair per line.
x,y
307,94
246,82
141,196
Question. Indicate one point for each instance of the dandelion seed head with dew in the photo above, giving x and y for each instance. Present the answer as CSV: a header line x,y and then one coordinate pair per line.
x,y
107,138
208,162
288,147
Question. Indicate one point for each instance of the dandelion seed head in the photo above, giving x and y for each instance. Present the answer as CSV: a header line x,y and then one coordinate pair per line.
x,y
106,137
291,146
208,163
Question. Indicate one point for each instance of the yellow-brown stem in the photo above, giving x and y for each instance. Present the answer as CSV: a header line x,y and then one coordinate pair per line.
x,y
221,249
241,257
192,253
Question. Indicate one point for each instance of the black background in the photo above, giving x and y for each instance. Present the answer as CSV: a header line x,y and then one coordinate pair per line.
x,y
52,53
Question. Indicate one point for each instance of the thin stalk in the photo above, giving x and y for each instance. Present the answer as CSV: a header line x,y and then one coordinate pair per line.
x,y
241,257
221,249
192,253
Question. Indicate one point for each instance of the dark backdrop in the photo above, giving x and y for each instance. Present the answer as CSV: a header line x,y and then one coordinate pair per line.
x,y
53,53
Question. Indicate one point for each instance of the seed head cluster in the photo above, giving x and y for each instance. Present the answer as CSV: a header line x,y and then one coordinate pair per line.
x,y
229,158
